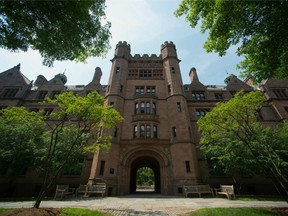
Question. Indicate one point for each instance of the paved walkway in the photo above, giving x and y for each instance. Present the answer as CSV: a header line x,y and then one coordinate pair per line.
x,y
147,205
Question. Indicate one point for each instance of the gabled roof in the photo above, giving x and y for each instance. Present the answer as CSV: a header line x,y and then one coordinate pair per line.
x,y
233,83
13,76
54,84
275,83
195,83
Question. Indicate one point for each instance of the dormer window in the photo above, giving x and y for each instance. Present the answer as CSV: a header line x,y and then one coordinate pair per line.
x,y
42,95
198,95
201,112
232,93
48,111
54,94
219,96
280,93
10,93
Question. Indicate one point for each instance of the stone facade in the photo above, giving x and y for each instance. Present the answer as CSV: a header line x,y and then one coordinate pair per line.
x,y
160,121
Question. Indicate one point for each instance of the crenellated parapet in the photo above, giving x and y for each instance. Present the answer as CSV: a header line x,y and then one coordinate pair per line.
x,y
122,50
124,43
167,44
146,57
168,50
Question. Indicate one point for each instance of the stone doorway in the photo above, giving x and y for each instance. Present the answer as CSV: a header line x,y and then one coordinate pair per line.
x,y
145,161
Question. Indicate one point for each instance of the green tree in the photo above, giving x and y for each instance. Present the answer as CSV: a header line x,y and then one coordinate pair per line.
x,y
233,138
21,135
60,30
78,125
259,28
55,142
145,176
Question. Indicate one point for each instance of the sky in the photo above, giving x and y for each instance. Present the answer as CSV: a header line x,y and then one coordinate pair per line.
x,y
145,25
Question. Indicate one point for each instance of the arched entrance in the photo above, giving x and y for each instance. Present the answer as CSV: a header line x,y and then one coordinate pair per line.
x,y
136,158
145,161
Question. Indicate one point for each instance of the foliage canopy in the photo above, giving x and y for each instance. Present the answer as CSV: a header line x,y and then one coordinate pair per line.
x,y
58,140
232,138
259,28
60,30
145,176
21,135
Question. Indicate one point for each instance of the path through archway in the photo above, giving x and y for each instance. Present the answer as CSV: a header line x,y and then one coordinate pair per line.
x,y
145,161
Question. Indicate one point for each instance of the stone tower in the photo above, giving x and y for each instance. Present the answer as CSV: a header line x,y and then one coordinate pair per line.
x,y
148,92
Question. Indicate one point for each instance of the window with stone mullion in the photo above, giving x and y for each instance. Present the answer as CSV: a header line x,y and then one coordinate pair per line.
x,y
198,95
145,131
144,107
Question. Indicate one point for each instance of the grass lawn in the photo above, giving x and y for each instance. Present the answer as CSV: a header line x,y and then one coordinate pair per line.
x,y
81,212
200,212
233,212
66,212
259,198
4,210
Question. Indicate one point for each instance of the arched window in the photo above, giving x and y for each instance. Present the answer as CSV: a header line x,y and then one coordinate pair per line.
x,y
136,107
147,107
148,131
154,108
135,133
142,131
155,133
144,107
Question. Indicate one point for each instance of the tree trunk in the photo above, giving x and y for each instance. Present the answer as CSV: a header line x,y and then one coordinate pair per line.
x,y
40,197
238,187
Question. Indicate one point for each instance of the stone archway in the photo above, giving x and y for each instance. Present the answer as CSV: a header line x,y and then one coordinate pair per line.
x,y
145,161
136,158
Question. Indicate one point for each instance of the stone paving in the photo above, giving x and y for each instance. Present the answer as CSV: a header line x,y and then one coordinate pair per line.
x,y
147,204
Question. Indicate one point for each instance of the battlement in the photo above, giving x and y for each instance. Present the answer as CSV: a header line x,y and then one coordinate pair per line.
x,y
168,50
166,43
124,43
122,50
146,57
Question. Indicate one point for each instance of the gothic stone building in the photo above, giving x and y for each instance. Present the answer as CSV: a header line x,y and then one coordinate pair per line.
x,y
159,130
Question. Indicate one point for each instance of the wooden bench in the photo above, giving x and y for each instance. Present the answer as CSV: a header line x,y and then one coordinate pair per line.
x,y
227,190
87,190
197,189
82,189
63,191
98,188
